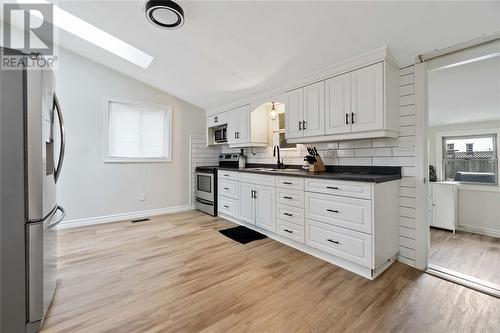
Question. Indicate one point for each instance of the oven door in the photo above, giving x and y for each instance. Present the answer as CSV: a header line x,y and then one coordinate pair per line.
x,y
205,186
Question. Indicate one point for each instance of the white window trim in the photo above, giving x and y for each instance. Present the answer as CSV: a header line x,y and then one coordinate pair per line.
x,y
168,120
472,132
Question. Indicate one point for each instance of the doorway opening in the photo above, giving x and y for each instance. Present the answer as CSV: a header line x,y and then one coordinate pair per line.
x,y
463,194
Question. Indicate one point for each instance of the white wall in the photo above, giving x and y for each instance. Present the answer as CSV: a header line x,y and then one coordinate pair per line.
x,y
91,189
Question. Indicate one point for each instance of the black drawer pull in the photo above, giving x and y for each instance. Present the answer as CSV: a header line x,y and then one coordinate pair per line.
x,y
226,175
332,210
289,198
332,241
288,214
332,187
226,188
287,183
289,231
226,206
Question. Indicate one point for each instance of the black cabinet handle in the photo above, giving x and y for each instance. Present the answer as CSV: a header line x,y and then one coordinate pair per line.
x,y
332,210
304,124
332,187
347,118
289,198
216,119
289,231
226,206
332,241
300,126
226,175
352,117
226,188
287,183
252,194
288,214
255,194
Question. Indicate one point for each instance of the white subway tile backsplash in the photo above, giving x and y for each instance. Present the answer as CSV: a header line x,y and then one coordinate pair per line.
x,y
345,153
385,142
407,222
366,152
355,161
355,144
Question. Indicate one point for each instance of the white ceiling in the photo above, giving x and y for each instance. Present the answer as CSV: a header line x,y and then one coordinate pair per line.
x,y
228,49
465,94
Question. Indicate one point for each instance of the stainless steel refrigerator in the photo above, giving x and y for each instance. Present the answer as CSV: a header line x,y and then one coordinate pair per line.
x,y
32,153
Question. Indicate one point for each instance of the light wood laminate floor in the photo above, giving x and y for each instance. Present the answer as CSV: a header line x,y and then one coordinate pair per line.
x,y
176,273
467,253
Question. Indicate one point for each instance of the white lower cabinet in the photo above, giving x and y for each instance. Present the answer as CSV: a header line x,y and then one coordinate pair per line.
x,y
291,231
347,244
247,203
354,225
257,205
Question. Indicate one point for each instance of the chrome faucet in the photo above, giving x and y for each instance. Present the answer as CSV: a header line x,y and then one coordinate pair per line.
x,y
276,153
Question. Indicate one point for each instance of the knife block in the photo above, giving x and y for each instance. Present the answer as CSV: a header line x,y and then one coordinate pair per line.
x,y
318,166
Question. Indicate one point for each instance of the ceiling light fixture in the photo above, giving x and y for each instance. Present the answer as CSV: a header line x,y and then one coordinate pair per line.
x,y
164,14
274,113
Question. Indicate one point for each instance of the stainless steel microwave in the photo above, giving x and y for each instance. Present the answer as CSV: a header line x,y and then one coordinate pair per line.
x,y
220,134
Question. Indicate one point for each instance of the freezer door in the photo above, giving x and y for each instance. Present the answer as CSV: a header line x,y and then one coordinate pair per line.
x,y
40,146
42,265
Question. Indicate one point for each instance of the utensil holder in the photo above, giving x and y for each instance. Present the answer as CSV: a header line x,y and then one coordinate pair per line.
x,y
318,166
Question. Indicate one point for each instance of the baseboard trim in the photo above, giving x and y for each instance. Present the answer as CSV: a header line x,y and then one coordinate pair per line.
x,y
122,217
479,230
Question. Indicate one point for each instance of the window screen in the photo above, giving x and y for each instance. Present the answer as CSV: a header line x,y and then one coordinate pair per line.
x,y
138,132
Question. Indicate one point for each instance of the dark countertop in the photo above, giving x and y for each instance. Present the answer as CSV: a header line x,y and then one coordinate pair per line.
x,y
372,174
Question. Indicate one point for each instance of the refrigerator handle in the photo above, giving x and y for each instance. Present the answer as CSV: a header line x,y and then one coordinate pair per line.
x,y
59,219
57,107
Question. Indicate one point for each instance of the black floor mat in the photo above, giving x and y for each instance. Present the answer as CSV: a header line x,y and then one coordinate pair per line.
x,y
242,234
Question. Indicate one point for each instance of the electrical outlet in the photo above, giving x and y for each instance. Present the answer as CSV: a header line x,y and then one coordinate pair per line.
x,y
142,196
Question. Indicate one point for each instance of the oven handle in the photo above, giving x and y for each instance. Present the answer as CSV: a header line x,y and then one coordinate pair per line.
x,y
205,202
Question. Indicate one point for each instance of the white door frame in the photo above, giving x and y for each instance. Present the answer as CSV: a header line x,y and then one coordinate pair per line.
x,y
470,54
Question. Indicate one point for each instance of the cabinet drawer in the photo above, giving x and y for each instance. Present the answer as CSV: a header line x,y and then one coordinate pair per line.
x,y
228,189
290,197
350,245
294,183
340,187
228,206
290,214
291,231
345,212
228,175
253,178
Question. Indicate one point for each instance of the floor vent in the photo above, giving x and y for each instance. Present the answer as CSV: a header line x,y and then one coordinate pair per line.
x,y
140,220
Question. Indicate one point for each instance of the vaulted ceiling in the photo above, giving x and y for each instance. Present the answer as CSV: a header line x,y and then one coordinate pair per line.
x,y
228,49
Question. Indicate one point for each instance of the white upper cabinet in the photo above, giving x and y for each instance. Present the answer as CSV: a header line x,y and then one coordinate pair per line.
x,y
314,109
245,128
355,99
338,104
238,130
367,98
293,114
305,111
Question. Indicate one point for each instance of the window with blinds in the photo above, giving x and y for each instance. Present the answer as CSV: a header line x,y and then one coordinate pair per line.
x,y
138,132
